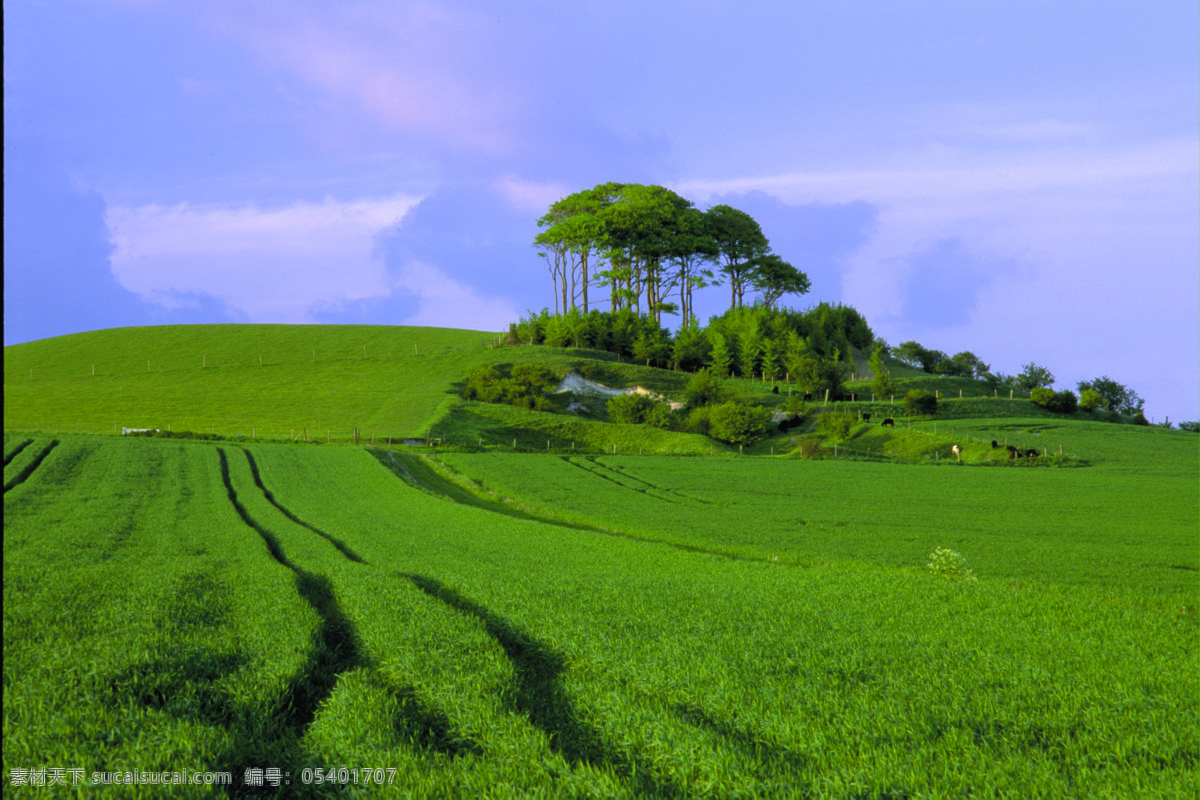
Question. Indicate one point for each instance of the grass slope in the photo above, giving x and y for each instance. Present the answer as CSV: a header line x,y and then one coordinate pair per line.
x,y
222,607
206,377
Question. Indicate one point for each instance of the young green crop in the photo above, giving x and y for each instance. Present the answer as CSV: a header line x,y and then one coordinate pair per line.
x,y
478,652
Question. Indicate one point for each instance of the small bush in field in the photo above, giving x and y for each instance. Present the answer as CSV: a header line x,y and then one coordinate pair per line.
x,y
736,423
630,409
1064,402
950,565
920,402
808,448
837,425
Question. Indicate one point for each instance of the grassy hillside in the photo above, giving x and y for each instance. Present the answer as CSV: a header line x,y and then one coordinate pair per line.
x,y
325,382
480,617
697,627
235,379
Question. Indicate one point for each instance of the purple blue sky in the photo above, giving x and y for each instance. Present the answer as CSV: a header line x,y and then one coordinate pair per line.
x,y
1018,179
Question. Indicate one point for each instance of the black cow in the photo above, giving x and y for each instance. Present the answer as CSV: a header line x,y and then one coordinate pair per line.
x,y
1031,453
808,397
866,417
1013,452
774,390
889,422
784,425
995,445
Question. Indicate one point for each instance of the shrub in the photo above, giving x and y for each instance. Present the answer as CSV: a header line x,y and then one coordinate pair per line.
x,y
918,401
738,424
698,421
795,405
1063,402
950,565
837,425
630,409
1091,400
661,416
1191,427
704,389
808,448
534,377
1034,377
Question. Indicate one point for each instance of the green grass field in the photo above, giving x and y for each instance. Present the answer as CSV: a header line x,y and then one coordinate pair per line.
x,y
474,620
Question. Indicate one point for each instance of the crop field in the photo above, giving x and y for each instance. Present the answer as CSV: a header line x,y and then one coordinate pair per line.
x,y
543,604
491,624
260,380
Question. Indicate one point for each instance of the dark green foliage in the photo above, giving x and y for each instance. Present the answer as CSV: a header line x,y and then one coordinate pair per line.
x,y
1063,402
918,401
881,379
1117,397
736,423
630,409
1192,426
1034,377
915,355
525,385
837,425
699,420
704,389
720,359
692,348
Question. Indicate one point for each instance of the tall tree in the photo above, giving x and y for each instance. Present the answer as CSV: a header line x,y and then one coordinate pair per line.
x,y
739,240
691,246
641,228
774,277
574,235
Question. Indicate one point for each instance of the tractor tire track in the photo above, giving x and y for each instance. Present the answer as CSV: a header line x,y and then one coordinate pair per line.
x,y
336,645
675,494
29,469
342,547
16,451
624,481
496,504
336,650
538,694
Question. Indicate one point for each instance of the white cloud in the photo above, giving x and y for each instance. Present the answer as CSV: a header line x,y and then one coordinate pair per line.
x,y
530,196
272,265
408,68
446,303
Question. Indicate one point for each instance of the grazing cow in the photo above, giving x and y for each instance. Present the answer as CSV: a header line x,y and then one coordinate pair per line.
x,y
954,449
866,417
889,422
995,445
1031,453
784,425
774,390
1013,452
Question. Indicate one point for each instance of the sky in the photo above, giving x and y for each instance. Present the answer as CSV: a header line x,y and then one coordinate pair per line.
x,y
1018,179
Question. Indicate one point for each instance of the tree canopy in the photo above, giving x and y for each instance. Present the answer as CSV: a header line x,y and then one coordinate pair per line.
x,y
652,248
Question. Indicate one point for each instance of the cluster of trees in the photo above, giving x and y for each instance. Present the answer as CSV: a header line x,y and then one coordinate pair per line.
x,y
522,385
811,348
968,365
709,410
965,364
652,248
1101,394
